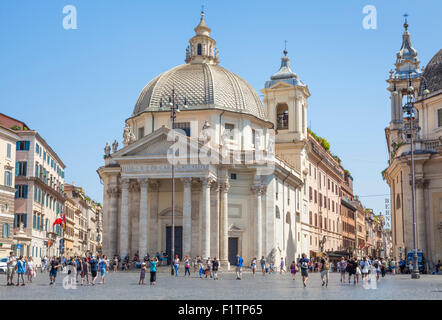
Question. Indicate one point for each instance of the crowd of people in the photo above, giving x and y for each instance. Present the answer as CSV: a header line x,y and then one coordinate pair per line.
x,y
86,270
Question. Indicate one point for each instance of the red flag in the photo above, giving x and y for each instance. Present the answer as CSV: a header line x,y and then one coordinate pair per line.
x,y
57,221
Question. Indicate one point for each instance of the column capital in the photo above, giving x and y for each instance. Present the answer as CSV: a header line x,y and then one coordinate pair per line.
x,y
144,182
207,181
258,189
215,186
422,183
187,181
125,183
154,185
225,186
113,191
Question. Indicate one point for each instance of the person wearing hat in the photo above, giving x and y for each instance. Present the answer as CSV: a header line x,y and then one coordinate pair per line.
x,y
142,273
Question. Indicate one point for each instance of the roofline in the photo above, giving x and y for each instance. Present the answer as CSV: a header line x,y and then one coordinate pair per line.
x,y
24,124
9,133
43,141
204,108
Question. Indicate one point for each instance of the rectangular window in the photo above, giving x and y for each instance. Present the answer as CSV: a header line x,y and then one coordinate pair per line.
x,y
185,126
229,129
253,138
439,118
8,151
22,145
8,178
140,132
316,196
21,168
21,191
34,221
310,194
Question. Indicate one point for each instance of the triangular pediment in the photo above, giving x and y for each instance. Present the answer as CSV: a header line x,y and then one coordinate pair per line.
x,y
281,85
155,147
158,144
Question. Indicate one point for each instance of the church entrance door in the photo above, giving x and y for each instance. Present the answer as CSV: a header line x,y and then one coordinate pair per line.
x,y
233,250
178,243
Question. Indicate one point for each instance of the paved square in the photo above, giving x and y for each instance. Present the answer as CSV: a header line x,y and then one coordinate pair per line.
x,y
124,285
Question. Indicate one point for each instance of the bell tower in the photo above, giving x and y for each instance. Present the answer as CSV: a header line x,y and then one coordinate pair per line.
x,y
285,97
406,68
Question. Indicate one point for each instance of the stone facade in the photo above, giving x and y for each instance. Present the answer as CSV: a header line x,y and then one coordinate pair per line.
x,y
427,156
8,140
221,208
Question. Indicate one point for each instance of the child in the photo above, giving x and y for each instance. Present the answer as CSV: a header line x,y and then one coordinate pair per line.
x,y
142,273
201,268
293,269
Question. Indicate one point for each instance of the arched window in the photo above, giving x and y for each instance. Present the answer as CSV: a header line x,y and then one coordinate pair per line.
x,y
398,202
199,49
277,213
282,116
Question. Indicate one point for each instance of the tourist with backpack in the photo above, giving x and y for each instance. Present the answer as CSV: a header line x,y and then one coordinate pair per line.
x,y
325,268
304,269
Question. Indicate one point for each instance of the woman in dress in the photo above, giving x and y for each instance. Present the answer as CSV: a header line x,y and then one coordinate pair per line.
x,y
103,268
253,265
30,272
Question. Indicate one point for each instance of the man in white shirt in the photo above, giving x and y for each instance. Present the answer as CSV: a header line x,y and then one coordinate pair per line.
x,y
12,261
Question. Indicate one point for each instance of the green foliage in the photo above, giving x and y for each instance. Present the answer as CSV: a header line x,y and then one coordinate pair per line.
x,y
15,127
383,173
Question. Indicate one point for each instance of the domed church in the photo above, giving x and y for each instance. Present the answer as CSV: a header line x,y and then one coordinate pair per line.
x,y
236,166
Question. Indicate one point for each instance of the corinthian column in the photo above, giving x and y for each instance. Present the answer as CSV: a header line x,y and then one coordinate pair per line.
x,y
225,224
143,233
124,218
206,218
187,208
258,190
111,235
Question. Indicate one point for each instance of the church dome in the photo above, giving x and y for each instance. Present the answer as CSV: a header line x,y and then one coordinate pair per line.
x,y
201,83
432,76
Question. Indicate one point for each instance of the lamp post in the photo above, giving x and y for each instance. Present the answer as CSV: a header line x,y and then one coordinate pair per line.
x,y
174,109
410,129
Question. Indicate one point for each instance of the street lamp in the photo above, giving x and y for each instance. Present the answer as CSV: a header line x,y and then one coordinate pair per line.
x,y
411,129
173,110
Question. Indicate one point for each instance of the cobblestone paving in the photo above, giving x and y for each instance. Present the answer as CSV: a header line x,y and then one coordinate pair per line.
x,y
124,285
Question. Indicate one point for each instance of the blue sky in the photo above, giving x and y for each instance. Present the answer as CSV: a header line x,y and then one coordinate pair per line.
x,y
76,87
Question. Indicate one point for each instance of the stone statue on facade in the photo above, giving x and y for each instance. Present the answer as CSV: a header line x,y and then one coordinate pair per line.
x,y
115,146
128,136
107,149
205,133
